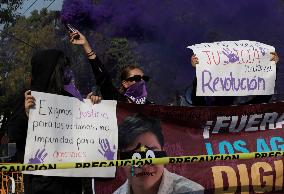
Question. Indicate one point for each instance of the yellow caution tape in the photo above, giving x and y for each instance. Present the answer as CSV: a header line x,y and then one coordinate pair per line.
x,y
150,161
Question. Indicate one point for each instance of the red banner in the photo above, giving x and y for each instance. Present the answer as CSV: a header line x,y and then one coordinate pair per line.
x,y
189,131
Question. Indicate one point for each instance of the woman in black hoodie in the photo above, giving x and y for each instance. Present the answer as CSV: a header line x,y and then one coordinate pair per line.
x,y
51,73
133,87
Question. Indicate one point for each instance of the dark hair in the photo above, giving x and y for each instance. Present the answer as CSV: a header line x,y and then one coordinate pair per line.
x,y
135,125
124,73
48,71
56,82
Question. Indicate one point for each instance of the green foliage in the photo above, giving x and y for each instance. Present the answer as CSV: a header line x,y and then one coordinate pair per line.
x,y
119,53
42,30
115,54
18,43
8,10
38,30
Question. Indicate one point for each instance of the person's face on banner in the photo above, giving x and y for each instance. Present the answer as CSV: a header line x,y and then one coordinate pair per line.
x,y
149,175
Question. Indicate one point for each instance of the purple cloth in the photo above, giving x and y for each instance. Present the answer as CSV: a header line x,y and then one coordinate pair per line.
x,y
69,86
71,89
137,93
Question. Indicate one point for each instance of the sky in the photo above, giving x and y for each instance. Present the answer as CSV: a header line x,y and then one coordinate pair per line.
x,y
38,5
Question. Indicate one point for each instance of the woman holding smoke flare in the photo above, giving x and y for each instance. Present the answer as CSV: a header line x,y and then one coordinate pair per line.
x,y
133,81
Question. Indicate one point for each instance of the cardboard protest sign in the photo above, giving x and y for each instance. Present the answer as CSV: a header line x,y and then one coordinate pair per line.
x,y
190,131
234,68
65,129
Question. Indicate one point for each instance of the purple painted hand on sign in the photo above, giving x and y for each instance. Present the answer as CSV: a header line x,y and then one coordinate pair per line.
x,y
39,157
231,56
106,151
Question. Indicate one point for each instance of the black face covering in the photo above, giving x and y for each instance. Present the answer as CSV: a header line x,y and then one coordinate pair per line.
x,y
46,67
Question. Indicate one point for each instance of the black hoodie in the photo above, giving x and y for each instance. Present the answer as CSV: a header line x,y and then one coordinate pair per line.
x,y
47,76
44,63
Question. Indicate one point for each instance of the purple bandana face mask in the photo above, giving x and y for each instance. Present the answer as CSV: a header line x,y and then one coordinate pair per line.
x,y
137,92
69,84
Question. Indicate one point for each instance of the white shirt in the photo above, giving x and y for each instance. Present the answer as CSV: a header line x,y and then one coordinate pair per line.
x,y
171,184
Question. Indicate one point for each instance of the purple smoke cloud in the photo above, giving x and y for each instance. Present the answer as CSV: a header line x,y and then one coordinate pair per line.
x,y
163,29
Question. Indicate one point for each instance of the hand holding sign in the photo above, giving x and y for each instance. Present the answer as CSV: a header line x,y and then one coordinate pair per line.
x,y
234,68
232,58
29,102
274,57
71,130
194,60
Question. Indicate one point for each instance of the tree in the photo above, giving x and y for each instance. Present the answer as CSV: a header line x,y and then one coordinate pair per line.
x,y
115,53
18,43
8,11
119,54
43,30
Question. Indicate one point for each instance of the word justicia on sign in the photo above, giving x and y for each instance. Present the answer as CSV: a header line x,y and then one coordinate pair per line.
x,y
232,55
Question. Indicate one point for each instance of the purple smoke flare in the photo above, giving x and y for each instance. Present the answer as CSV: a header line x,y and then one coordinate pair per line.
x,y
163,29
